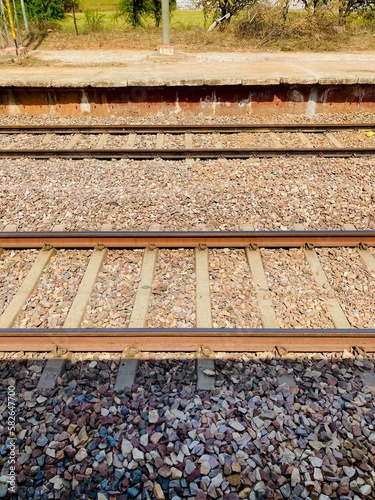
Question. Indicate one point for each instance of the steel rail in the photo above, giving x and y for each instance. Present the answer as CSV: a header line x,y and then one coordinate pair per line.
x,y
186,339
180,129
178,154
186,239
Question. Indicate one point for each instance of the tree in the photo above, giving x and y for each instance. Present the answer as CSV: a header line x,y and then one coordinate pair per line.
x,y
223,7
154,9
315,5
345,7
71,4
43,10
135,11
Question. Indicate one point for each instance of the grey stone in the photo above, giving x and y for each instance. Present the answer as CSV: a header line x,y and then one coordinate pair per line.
x,y
42,440
315,461
153,416
126,447
81,455
365,490
3,490
285,490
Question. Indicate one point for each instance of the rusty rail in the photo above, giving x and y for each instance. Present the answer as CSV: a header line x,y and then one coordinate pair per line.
x,y
178,154
335,149
187,239
181,129
187,339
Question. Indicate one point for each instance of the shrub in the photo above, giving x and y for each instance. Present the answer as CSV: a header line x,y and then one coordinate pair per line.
x,y
93,21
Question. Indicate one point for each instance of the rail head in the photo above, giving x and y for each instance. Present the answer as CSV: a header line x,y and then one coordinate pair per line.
x,y
186,239
187,339
183,128
181,153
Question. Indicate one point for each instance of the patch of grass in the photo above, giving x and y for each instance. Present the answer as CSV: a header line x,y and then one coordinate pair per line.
x,y
180,20
187,19
94,21
101,5
90,21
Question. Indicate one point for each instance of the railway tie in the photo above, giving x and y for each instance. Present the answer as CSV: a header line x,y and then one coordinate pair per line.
x,y
204,339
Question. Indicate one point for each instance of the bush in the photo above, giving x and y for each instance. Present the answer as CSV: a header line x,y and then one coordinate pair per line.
x,y
44,10
69,4
267,25
93,21
136,11
263,22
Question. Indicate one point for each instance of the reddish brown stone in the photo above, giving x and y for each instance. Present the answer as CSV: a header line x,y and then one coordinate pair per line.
x,y
164,471
21,478
332,381
103,469
82,420
103,389
49,474
81,477
356,431
193,476
234,479
201,495
70,451
365,467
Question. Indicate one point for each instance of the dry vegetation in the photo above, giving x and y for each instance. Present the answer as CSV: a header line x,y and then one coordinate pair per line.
x,y
261,27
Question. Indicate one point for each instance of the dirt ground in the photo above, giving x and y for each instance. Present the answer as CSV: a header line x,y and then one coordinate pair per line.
x,y
195,39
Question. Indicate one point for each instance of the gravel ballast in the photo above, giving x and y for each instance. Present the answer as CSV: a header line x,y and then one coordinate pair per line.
x,y
321,193
252,437
291,428
295,296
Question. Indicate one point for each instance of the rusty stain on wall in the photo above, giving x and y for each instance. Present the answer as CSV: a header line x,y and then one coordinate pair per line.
x,y
164,101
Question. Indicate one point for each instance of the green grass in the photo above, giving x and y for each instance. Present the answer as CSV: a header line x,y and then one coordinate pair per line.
x,y
185,19
67,26
181,20
102,5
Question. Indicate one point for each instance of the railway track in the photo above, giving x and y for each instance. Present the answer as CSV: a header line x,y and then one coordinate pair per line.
x,y
180,141
203,338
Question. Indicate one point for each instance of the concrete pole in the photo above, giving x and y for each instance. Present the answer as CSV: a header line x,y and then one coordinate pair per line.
x,y
25,21
2,39
165,21
11,24
7,36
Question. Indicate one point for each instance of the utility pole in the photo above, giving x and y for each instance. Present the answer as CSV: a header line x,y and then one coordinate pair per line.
x,y
165,21
166,49
25,21
11,24
5,25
